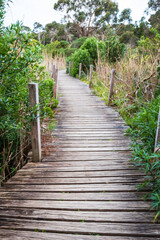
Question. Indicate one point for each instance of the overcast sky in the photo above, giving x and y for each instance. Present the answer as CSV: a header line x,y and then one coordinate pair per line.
x,y
30,11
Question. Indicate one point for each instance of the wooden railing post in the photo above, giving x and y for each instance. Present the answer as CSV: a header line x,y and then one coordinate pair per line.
x,y
80,70
48,66
35,123
111,86
90,75
52,70
157,141
55,77
69,68
57,65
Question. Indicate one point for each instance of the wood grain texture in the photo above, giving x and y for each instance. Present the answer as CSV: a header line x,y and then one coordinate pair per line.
x,y
85,187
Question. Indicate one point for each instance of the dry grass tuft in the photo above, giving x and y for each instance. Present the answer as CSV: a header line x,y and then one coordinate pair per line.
x,y
136,75
58,61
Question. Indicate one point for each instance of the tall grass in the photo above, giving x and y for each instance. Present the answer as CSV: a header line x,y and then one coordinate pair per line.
x,y
58,61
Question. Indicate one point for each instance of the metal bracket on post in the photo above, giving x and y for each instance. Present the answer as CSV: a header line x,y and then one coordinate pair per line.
x,y
111,86
35,123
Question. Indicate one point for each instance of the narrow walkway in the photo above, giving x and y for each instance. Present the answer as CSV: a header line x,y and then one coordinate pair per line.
x,y
85,188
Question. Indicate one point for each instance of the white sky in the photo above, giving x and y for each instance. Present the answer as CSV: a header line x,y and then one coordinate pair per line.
x,y
30,11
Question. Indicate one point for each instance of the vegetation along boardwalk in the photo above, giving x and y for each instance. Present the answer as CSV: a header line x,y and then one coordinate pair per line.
x,y
85,188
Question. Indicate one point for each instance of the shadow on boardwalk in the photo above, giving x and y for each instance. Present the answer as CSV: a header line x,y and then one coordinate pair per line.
x,y
85,188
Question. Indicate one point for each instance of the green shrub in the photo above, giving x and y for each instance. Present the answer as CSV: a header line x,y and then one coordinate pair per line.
x,y
56,48
80,56
128,37
91,45
78,43
20,58
69,51
114,49
143,131
149,46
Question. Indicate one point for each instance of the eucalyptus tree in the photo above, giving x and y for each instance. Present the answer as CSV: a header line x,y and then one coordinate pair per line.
x,y
88,15
38,28
154,6
125,16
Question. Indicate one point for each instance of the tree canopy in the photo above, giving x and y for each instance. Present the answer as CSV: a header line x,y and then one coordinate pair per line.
x,y
154,19
154,5
87,15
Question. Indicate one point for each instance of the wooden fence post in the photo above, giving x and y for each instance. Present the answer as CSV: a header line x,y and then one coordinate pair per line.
x,y
52,71
90,75
55,77
57,80
35,124
80,70
48,66
157,141
69,68
111,86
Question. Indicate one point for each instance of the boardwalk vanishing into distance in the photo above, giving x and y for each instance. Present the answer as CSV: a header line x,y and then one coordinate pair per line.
x,y
85,188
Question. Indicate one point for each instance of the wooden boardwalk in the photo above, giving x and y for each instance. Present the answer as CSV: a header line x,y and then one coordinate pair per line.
x,y
85,188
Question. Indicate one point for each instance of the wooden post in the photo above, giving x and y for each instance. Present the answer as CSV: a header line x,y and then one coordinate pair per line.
x,y
157,141
111,86
48,66
55,77
57,65
69,68
90,76
52,70
56,96
35,124
80,70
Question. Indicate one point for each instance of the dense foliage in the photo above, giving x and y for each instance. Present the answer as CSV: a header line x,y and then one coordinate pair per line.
x,y
94,50
20,58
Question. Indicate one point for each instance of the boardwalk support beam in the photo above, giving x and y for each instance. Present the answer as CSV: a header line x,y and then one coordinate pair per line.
x,y
111,86
35,124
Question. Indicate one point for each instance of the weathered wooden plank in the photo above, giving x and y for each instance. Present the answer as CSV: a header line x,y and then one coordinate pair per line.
x,y
105,196
7,234
103,180
79,205
121,229
109,173
71,188
87,216
83,168
89,145
88,156
90,149
86,163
